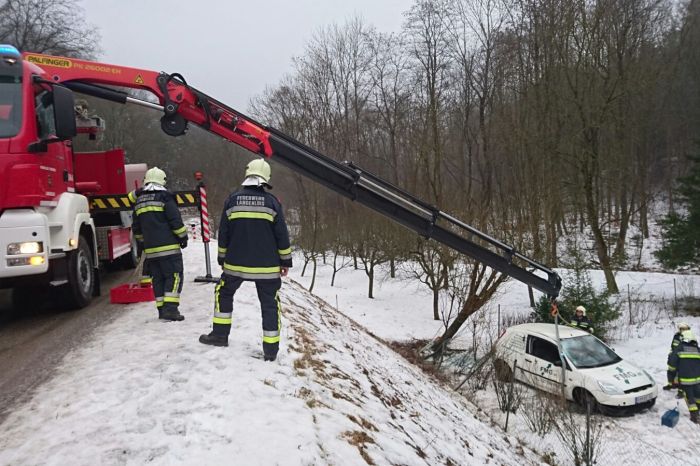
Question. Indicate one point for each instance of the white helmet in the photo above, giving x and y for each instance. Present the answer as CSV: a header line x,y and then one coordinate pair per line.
x,y
683,326
154,175
257,172
687,336
582,309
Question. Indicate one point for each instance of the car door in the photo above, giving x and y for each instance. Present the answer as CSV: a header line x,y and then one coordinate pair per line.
x,y
543,364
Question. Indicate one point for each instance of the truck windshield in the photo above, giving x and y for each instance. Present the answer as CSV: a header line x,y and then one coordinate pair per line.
x,y
587,351
10,106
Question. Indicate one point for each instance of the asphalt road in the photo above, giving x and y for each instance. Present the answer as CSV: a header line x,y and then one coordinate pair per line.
x,y
34,342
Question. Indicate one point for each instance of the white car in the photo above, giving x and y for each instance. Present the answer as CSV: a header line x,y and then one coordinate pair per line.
x,y
594,372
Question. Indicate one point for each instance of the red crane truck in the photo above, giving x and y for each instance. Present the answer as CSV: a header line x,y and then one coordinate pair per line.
x,y
46,229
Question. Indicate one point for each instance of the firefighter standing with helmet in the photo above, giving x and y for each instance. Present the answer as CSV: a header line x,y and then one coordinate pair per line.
x,y
580,320
675,345
685,362
159,228
676,341
253,246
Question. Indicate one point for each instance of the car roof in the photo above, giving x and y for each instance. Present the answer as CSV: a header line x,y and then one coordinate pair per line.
x,y
548,330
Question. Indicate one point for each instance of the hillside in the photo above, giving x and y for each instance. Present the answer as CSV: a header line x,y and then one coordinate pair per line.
x,y
145,391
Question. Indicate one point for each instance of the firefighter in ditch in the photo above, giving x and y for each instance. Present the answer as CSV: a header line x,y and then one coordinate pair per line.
x,y
685,362
253,245
159,229
580,320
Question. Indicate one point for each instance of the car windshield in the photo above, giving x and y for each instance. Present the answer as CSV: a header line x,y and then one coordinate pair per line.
x,y
10,106
587,351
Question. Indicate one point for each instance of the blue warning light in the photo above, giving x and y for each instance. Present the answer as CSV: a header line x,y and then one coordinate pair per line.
x,y
8,51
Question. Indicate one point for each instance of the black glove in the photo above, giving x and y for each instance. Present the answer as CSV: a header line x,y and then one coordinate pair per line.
x,y
183,243
220,260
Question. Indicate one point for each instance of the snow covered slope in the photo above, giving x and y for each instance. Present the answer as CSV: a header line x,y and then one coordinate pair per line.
x,y
145,391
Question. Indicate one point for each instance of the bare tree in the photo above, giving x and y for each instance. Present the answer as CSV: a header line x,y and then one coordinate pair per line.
x,y
48,26
430,266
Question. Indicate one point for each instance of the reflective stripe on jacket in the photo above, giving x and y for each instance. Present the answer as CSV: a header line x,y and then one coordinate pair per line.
x,y
253,236
685,362
583,323
675,343
157,222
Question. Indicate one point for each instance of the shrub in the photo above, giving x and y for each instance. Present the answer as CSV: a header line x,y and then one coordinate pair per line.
x,y
578,290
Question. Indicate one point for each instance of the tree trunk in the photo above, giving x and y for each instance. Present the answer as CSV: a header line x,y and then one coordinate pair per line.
x,y
436,303
303,269
313,276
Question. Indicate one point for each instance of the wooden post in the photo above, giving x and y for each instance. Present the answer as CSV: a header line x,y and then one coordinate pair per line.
x,y
629,302
510,397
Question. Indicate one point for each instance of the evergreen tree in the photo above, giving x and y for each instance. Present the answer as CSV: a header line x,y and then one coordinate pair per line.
x,y
681,231
578,290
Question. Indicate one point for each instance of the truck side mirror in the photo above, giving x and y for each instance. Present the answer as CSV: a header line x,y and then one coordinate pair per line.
x,y
64,113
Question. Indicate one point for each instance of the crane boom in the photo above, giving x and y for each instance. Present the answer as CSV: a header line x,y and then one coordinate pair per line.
x,y
182,104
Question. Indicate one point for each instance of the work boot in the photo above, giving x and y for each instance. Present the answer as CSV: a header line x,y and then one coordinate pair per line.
x,y
679,394
214,340
270,357
694,417
170,314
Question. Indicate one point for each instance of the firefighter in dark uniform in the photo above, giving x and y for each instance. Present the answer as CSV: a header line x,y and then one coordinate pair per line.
x,y
580,320
676,340
253,246
685,362
158,226
675,344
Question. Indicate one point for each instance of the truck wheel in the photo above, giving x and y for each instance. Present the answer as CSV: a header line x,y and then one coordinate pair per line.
x,y
130,261
77,293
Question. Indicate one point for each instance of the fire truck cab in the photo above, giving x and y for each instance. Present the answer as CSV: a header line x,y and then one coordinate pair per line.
x,y
48,235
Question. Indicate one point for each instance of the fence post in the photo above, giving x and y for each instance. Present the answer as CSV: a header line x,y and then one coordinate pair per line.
x,y
498,333
675,297
510,397
629,302
204,224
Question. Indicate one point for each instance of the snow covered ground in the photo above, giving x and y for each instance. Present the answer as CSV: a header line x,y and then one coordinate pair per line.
x,y
145,391
402,310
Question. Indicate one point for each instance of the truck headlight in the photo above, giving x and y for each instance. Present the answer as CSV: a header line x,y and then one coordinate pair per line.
x,y
609,388
30,247
29,260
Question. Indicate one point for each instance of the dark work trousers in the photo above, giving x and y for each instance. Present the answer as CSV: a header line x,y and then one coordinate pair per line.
x,y
145,278
692,394
268,294
167,275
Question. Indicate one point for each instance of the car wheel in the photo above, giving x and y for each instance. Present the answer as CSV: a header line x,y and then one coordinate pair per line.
x,y
503,371
585,400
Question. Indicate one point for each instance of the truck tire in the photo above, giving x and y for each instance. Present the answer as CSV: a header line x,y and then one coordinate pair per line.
x,y
131,260
77,293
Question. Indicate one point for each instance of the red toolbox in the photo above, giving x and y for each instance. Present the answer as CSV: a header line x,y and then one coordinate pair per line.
x,y
131,293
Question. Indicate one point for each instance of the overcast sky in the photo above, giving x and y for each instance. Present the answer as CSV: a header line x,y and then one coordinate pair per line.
x,y
230,50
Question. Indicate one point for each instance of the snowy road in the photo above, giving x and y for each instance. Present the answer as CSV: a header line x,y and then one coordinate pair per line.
x,y
33,342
